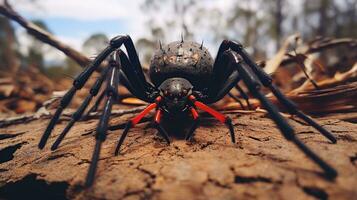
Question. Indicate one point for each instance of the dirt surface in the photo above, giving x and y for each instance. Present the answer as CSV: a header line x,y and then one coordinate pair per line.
x,y
261,165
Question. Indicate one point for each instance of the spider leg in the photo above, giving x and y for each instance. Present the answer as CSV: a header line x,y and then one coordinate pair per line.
x,y
123,80
267,81
236,99
244,95
135,121
161,130
77,115
194,126
217,94
95,106
222,70
287,131
220,117
82,78
101,131
139,87
133,57
225,78
292,109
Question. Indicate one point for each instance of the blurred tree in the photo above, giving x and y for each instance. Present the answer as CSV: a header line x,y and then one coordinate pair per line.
x,y
35,57
260,25
177,16
278,21
148,44
8,53
72,68
245,20
95,44
345,19
249,19
69,69
330,18
146,47
36,53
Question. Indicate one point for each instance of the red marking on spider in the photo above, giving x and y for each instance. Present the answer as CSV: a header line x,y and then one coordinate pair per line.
x,y
138,118
158,116
220,117
194,113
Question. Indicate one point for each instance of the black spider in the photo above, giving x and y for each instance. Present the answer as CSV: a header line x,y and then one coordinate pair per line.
x,y
184,77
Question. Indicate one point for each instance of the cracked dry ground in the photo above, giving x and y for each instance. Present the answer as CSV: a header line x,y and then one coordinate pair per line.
x,y
262,165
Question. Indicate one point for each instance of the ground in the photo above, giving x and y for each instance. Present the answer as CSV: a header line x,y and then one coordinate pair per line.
x,y
261,165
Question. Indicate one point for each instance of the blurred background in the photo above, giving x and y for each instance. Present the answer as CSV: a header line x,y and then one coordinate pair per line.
x,y
31,69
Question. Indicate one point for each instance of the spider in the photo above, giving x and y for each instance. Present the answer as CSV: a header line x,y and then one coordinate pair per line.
x,y
184,78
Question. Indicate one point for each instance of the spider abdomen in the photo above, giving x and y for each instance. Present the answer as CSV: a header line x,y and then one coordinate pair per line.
x,y
183,59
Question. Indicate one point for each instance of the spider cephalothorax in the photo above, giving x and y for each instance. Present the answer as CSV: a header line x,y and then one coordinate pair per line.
x,y
175,93
184,78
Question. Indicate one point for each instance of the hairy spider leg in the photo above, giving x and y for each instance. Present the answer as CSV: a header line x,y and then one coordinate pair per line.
x,y
267,81
135,121
287,131
102,128
220,117
77,115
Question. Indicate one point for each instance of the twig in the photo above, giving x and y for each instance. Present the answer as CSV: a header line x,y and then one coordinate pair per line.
x,y
273,64
318,46
42,35
338,79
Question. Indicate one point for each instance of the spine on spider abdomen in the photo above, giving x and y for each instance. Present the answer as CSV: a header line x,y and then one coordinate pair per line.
x,y
183,59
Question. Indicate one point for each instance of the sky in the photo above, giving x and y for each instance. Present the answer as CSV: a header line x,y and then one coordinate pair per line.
x,y
73,21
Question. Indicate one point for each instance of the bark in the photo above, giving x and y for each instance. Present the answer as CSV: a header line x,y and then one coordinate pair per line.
x,y
261,165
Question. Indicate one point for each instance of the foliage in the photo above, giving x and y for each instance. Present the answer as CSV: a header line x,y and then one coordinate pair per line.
x,y
95,44
8,52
